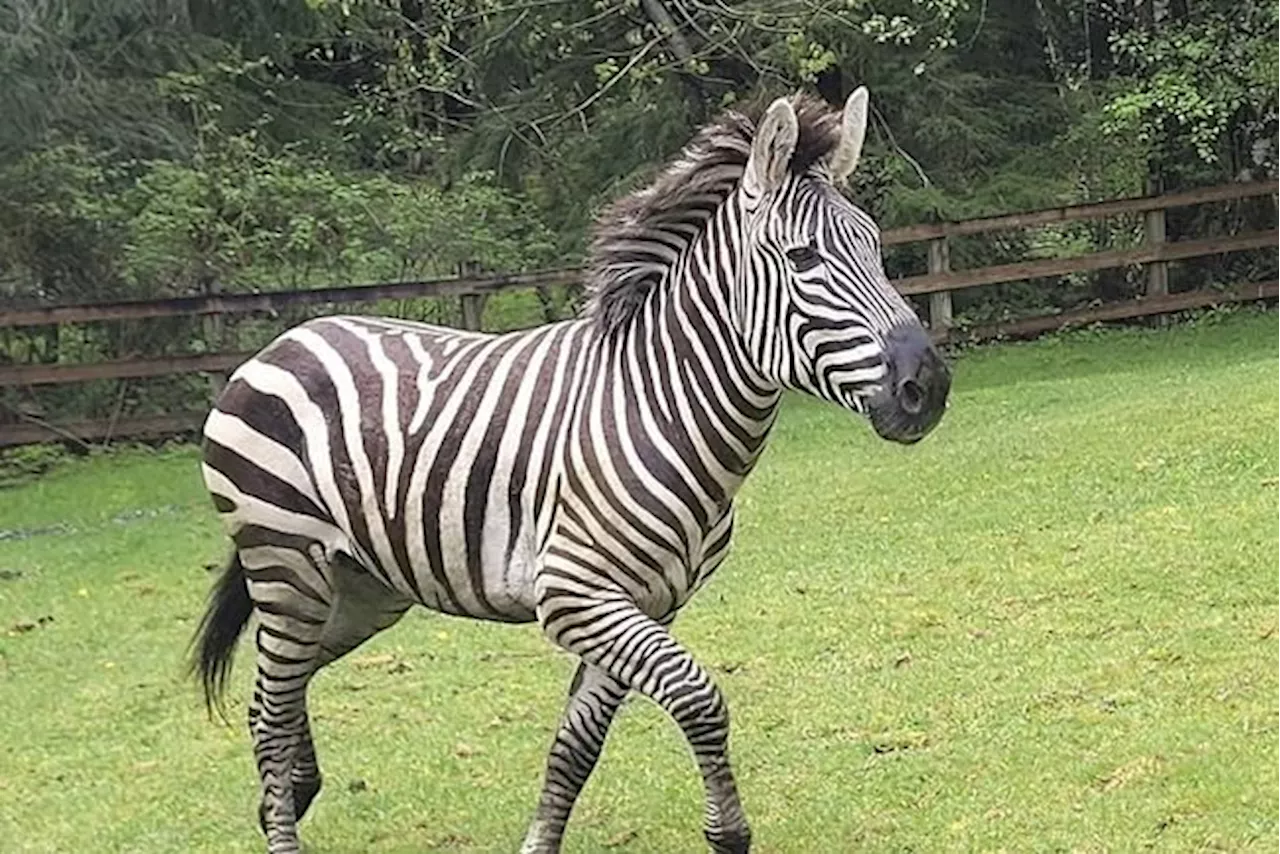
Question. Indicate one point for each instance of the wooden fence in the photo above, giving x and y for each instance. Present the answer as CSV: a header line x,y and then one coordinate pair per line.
x,y
939,283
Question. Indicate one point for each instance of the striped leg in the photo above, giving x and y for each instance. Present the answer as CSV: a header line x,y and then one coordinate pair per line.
x,y
361,607
305,779
637,651
594,698
289,584
287,648
305,776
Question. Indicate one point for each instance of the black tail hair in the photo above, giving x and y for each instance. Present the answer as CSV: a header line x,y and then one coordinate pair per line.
x,y
214,645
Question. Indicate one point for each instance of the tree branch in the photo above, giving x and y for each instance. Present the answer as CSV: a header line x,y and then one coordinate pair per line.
x,y
662,19
610,83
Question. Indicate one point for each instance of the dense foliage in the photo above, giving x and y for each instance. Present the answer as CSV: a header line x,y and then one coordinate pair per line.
x,y
166,147
150,145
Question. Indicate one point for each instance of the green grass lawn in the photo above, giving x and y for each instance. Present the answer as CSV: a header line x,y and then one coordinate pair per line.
x,y
1049,627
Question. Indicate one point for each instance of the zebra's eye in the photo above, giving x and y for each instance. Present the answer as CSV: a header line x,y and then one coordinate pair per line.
x,y
804,258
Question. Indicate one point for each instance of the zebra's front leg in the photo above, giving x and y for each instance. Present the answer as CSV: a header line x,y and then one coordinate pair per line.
x,y
594,698
638,652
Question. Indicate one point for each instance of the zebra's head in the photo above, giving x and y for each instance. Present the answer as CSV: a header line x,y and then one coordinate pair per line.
x,y
812,301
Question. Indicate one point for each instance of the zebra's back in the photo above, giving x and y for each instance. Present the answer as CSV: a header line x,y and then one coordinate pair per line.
x,y
425,454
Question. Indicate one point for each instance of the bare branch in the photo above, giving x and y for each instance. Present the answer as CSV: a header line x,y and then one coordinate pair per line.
x,y
611,82
884,125
662,18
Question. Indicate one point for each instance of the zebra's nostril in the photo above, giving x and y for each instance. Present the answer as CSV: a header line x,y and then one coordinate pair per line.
x,y
911,397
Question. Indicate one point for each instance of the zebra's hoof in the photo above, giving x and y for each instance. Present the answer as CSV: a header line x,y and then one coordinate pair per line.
x,y
304,792
730,841
543,838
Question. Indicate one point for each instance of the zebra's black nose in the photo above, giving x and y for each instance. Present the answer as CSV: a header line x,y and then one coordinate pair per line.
x,y
915,395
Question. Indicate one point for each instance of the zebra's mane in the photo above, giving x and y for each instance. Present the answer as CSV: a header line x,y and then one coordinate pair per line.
x,y
640,237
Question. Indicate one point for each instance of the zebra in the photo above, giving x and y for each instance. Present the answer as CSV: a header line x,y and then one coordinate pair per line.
x,y
580,474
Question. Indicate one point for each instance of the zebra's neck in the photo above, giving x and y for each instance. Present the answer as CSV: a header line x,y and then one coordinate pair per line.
x,y
696,391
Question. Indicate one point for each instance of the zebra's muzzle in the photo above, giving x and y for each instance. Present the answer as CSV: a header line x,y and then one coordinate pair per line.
x,y
914,396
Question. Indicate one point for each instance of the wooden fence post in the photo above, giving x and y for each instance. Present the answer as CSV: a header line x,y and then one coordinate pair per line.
x,y
214,339
472,304
473,310
939,301
1157,271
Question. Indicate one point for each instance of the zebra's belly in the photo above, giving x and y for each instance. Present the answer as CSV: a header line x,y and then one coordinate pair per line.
x,y
481,568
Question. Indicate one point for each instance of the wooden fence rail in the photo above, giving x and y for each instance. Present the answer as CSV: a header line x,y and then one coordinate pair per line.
x,y
1043,269
939,283
1155,253
275,301
54,374
1077,213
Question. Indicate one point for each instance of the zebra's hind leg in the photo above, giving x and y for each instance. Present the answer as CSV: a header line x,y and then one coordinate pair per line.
x,y
594,698
305,775
637,651
311,612
288,641
361,607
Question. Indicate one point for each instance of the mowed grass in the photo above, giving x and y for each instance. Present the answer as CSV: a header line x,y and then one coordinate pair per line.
x,y
1049,627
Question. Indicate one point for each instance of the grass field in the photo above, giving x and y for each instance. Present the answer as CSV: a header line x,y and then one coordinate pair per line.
x,y
1049,627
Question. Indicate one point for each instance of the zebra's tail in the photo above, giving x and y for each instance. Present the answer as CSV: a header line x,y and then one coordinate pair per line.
x,y
214,645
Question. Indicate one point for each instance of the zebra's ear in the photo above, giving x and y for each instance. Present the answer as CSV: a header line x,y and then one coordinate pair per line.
x,y
771,150
853,130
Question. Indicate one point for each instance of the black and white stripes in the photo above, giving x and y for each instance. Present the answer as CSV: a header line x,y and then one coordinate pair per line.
x,y
580,474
